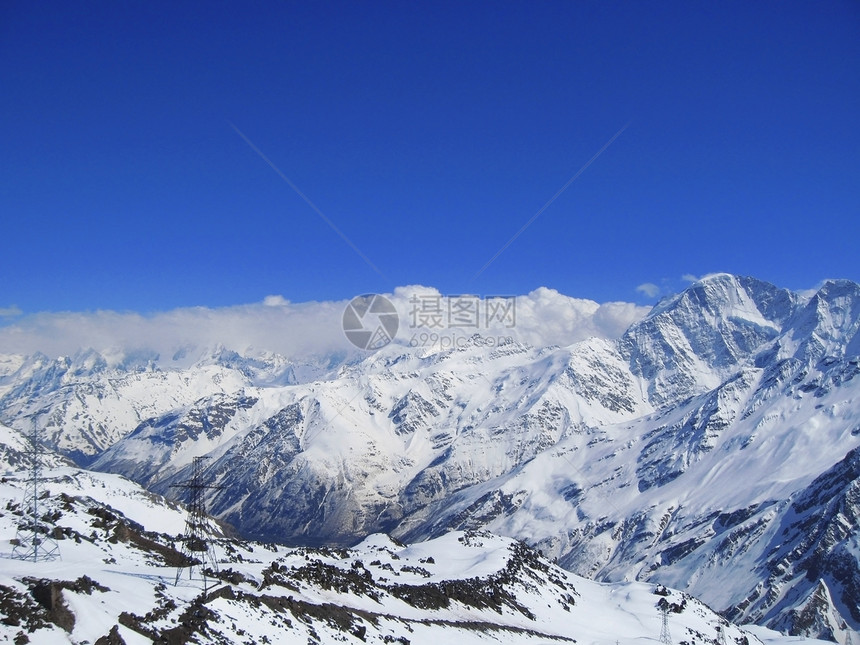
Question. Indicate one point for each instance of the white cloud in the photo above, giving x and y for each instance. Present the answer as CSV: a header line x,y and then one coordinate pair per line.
x,y
649,289
543,317
546,317
689,277
10,312
614,318
291,330
275,301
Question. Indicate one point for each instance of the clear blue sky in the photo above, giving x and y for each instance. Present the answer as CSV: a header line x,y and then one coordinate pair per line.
x,y
429,134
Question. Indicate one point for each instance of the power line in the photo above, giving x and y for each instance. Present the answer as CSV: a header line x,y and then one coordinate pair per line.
x,y
551,200
307,200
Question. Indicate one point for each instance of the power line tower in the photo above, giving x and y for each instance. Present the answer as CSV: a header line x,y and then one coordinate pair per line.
x,y
33,539
665,636
197,547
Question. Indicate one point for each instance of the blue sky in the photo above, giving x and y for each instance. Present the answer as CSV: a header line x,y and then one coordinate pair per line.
x,y
428,134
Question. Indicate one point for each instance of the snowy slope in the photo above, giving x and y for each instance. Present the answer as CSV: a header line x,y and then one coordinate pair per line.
x,y
114,584
85,403
15,450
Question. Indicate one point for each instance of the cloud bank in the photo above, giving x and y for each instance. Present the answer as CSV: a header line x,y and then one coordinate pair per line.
x,y
298,330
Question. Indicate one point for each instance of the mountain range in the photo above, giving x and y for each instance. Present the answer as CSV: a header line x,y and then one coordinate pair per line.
x,y
712,447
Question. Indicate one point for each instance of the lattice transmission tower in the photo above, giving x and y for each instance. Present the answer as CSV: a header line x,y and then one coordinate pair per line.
x,y
197,547
665,636
33,539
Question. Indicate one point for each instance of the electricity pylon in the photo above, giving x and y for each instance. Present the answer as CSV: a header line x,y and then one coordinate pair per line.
x,y
197,547
665,636
33,539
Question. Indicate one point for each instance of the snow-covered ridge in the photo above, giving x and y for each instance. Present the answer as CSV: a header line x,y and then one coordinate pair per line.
x,y
115,584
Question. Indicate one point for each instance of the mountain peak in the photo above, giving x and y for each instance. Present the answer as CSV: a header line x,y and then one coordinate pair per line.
x,y
692,341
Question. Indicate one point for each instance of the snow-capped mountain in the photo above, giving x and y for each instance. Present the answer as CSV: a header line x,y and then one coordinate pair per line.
x,y
709,448
16,452
116,583
85,403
